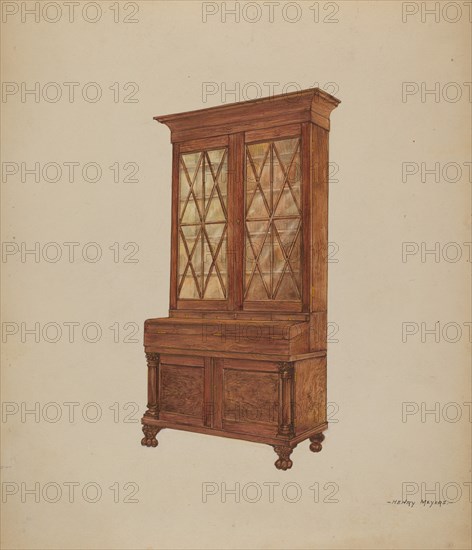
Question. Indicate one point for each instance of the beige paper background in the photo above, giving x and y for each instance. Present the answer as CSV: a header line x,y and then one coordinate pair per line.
x,y
369,451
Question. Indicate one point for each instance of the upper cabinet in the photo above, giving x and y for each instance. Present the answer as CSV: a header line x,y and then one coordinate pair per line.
x,y
248,227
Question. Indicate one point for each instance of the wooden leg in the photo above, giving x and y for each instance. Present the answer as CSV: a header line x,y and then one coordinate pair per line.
x,y
316,441
283,462
150,432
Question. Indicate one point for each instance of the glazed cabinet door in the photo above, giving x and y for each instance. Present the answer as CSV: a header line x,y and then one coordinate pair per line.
x,y
200,226
273,212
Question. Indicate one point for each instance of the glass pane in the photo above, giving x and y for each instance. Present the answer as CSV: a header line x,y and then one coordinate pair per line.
x,y
202,263
286,230
286,204
287,289
273,220
257,291
189,289
214,290
189,211
190,186
257,206
258,184
215,211
215,156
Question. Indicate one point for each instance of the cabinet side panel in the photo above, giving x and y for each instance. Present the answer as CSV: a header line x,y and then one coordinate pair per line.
x,y
307,188
310,393
318,331
319,274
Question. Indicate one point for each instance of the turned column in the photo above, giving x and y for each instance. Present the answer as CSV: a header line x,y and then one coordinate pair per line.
x,y
153,373
286,374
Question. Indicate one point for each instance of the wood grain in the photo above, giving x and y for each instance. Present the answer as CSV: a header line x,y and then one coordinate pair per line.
x,y
253,370
311,105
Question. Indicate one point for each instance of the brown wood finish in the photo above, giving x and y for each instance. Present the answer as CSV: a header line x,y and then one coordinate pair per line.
x,y
174,248
235,239
249,315
312,105
246,359
199,144
256,437
310,393
250,397
289,130
274,337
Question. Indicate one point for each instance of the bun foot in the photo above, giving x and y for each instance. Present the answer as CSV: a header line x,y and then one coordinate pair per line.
x,y
283,462
149,439
316,441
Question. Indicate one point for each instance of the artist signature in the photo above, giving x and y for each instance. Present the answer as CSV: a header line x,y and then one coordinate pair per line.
x,y
423,502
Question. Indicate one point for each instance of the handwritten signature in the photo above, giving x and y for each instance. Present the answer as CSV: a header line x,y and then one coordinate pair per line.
x,y
422,502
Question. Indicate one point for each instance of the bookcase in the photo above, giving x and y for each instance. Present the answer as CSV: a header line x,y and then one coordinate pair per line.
x,y
242,353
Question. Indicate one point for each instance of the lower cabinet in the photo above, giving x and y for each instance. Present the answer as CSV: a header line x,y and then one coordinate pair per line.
x,y
276,402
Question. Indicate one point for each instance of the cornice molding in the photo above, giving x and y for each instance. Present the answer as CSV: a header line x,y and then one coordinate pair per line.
x,y
312,105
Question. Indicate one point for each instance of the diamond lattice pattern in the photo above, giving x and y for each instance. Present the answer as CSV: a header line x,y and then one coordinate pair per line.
x,y
203,225
273,221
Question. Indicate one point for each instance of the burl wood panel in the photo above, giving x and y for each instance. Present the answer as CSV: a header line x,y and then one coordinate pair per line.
x,y
310,393
250,397
181,390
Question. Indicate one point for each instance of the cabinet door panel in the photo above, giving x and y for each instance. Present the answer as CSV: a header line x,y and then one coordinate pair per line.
x,y
182,389
249,397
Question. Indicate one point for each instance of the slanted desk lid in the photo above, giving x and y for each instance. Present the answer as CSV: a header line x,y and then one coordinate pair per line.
x,y
267,337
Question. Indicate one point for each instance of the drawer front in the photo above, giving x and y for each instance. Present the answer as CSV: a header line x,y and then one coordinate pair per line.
x,y
182,389
247,396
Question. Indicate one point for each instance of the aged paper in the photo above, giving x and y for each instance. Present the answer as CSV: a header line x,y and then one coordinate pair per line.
x,y
86,196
